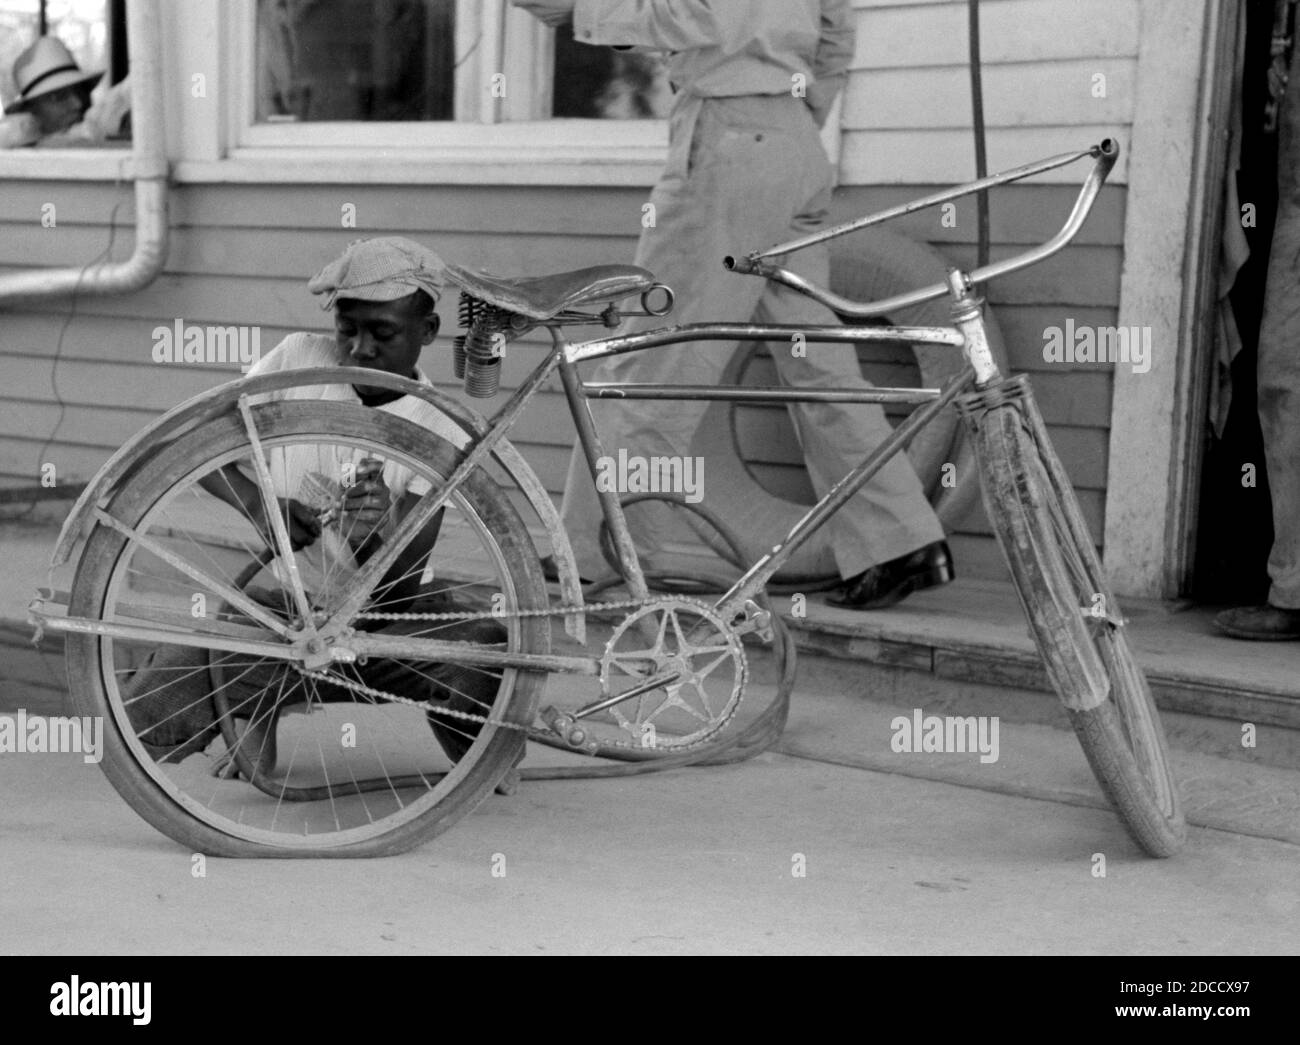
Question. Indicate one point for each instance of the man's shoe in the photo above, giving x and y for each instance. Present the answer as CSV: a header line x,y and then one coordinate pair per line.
x,y
893,581
1265,623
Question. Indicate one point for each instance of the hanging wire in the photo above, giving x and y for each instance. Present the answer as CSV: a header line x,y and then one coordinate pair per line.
x,y
102,256
977,108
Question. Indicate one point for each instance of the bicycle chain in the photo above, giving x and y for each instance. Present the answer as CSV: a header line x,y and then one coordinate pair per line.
x,y
424,706
550,611
532,732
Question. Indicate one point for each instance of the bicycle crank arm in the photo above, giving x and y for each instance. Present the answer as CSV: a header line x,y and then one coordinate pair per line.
x,y
666,679
566,726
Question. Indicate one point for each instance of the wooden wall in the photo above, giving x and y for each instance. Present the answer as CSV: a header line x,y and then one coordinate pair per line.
x,y
241,254
907,112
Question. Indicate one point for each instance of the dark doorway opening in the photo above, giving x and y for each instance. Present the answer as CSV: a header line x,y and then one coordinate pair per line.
x,y
1235,524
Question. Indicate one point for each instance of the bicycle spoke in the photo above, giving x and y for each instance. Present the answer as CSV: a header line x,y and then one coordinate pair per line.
x,y
284,777
271,506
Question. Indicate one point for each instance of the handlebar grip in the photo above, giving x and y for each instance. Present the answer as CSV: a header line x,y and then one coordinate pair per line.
x,y
1107,153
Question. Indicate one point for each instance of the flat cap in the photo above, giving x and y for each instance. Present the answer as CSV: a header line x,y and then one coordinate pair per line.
x,y
381,269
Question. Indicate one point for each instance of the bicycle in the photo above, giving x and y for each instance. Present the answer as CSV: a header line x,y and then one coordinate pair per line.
x,y
163,568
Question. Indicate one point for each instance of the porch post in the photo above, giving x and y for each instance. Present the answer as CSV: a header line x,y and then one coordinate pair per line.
x,y
1154,415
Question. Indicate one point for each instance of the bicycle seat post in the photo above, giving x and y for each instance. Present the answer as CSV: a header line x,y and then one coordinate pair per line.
x,y
968,316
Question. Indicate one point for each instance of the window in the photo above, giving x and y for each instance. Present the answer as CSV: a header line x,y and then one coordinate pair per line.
x,y
355,60
434,73
601,83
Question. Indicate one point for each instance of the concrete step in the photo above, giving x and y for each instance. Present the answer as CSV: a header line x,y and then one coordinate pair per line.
x,y
970,637
960,693
1037,757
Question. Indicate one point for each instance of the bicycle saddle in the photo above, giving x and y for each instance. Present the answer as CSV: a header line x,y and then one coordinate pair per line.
x,y
542,297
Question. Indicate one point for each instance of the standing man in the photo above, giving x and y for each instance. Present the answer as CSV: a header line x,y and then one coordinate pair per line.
x,y
1278,374
755,79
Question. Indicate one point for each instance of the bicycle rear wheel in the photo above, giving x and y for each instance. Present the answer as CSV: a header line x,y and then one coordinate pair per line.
x,y
356,773
1073,615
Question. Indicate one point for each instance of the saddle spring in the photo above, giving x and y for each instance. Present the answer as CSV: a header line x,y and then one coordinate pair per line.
x,y
476,355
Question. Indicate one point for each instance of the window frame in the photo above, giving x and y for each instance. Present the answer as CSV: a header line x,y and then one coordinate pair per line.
x,y
508,135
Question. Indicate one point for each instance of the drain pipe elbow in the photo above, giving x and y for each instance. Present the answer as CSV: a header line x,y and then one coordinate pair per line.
x,y
151,183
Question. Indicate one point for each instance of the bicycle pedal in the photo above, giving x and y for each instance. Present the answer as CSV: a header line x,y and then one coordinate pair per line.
x,y
567,728
755,619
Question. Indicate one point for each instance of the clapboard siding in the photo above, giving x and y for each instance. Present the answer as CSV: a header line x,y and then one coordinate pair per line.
x,y
1058,75
380,208
1075,93
241,253
1018,213
933,32
231,264
1086,275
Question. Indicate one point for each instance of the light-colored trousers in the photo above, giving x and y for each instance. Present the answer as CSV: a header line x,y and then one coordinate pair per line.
x,y
1279,357
743,174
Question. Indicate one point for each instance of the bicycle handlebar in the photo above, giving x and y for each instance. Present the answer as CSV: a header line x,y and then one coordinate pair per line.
x,y
1105,153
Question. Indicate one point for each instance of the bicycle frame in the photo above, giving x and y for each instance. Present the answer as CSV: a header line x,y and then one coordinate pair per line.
x,y
967,333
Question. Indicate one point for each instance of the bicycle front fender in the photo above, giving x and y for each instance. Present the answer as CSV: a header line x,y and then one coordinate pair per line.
x,y
466,426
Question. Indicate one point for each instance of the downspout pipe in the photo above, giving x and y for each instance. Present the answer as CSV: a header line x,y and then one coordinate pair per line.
x,y
151,182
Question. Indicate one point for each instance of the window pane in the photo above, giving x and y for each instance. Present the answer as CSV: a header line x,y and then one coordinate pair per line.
x,y
355,59
601,83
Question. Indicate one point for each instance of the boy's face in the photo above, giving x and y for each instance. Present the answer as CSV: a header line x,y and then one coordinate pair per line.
x,y
383,335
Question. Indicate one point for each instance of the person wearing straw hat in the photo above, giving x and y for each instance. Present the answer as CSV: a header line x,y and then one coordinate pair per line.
x,y
53,106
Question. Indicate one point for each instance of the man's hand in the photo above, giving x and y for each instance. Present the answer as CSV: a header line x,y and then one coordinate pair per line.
x,y
18,130
366,503
552,12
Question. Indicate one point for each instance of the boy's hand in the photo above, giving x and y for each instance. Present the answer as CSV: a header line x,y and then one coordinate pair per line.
x,y
366,503
302,522
552,12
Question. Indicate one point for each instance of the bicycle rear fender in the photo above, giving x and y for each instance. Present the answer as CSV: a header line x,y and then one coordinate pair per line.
x,y
216,401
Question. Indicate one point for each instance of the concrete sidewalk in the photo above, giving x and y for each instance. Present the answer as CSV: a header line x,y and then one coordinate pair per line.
x,y
902,853
689,861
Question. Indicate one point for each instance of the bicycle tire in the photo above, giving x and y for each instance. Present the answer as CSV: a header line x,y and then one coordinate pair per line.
x,y
1060,581
148,503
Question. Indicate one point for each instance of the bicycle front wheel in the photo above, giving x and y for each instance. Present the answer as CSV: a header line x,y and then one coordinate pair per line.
x,y
337,759
1073,615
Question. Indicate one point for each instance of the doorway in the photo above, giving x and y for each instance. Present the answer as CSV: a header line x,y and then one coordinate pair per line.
x,y
1234,519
